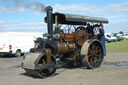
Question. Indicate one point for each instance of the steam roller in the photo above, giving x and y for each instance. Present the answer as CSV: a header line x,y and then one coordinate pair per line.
x,y
69,40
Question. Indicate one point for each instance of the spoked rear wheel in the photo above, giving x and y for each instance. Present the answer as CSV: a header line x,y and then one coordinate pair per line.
x,y
92,54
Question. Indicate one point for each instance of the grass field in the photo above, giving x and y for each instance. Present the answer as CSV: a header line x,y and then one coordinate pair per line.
x,y
120,46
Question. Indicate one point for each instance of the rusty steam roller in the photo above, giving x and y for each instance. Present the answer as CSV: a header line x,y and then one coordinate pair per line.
x,y
78,48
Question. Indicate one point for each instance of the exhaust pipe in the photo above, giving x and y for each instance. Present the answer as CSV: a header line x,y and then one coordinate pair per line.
x,y
49,21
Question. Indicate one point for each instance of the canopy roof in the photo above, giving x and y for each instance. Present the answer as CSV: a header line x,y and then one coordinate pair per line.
x,y
77,19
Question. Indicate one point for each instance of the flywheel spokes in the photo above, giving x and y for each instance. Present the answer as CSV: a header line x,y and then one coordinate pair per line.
x,y
92,54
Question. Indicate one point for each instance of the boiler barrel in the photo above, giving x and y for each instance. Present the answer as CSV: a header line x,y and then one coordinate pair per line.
x,y
65,47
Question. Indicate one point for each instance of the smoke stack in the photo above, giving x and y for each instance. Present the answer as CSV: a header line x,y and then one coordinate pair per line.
x,y
49,21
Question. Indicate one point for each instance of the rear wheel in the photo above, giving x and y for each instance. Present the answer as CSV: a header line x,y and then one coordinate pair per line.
x,y
92,54
18,53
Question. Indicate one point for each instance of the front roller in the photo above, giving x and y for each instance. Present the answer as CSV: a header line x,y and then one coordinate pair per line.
x,y
92,54
36,64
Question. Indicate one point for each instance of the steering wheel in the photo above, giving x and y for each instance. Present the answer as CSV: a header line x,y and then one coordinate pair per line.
x,y
96,30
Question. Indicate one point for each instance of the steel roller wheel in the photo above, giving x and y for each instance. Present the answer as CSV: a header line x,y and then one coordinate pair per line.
x,y
35,64
49,71
92,54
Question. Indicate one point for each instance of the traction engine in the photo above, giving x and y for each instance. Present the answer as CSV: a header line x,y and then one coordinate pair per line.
x,y
71,39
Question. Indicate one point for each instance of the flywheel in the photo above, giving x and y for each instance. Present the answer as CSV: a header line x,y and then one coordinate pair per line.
x,y
81,35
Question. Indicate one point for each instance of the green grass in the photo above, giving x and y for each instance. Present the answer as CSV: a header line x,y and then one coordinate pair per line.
x,y
120,46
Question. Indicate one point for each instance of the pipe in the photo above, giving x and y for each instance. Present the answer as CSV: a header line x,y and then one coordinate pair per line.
x,y
49,21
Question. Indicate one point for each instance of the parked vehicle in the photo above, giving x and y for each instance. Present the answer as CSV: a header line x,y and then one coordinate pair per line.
x,y
121,36
125,36
108,40
118,38
16,42
110,37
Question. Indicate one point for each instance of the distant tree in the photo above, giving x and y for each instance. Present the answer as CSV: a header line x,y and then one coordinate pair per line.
x,y
115,34
121,32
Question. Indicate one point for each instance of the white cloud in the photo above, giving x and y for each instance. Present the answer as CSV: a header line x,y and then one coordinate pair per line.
x,y
20,9
73,7
23,27
116,13
2,9
116,27
111,9
2,22
93,9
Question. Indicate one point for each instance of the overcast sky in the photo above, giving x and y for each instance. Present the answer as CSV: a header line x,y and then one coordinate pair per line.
x,y
28,15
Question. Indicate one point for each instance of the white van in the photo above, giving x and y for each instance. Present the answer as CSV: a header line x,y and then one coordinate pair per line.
x,y
110,36
125,36
16,42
